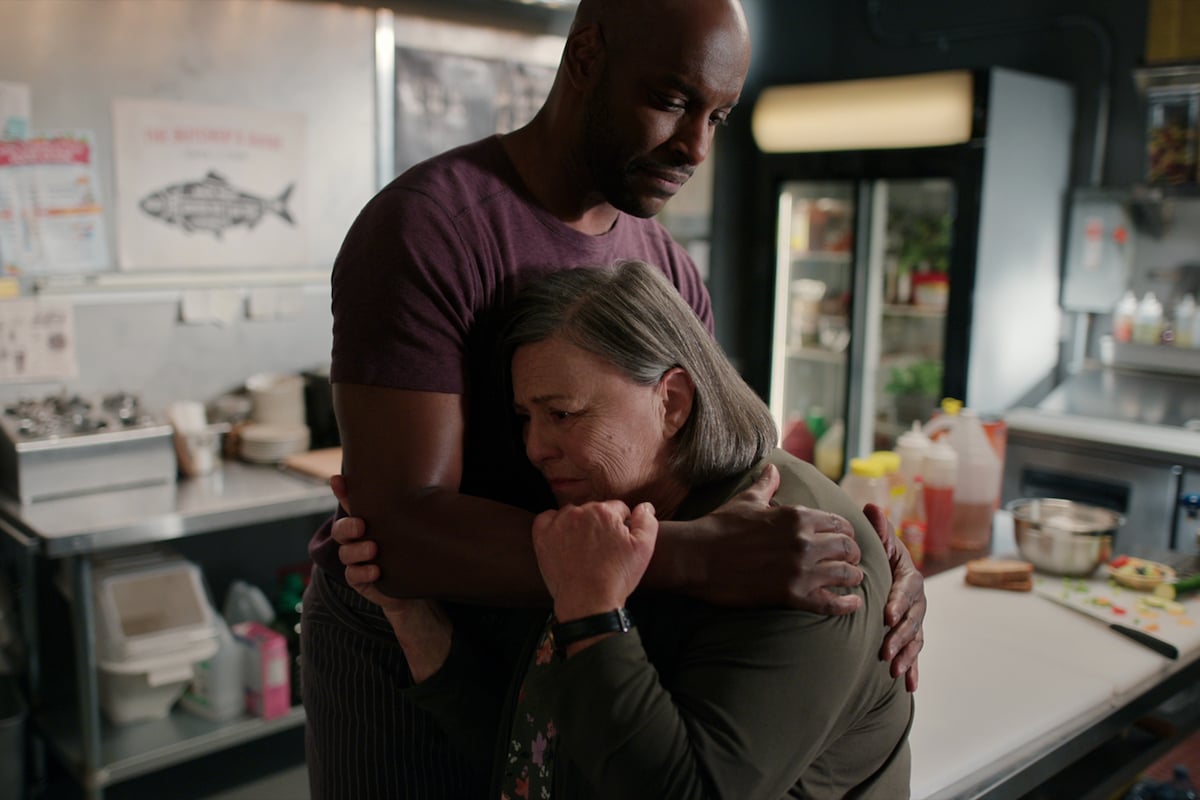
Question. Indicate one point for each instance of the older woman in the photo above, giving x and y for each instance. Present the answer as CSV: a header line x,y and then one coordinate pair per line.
x,y
632,414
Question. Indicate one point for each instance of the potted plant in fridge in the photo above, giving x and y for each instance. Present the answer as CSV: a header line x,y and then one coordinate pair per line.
x,y
915,388
924,258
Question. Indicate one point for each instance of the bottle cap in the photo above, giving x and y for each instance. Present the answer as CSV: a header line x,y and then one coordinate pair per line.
x,y
888,459
866,468
951,405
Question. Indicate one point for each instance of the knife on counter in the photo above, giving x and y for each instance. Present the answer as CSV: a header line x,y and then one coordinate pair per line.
x,y
1159,646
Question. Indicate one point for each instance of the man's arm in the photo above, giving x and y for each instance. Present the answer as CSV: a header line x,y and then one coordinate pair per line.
x,y
402,458
402,455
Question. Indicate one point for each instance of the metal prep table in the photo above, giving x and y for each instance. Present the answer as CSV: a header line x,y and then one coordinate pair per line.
x,y
72,531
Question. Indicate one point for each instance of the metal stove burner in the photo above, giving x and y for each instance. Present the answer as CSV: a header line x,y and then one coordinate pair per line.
x,y
72,415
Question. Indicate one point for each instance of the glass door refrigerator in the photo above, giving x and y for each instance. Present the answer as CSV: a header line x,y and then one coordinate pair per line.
x,y
904,275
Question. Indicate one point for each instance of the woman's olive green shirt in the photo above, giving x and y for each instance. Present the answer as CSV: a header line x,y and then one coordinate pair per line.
x,y
705,702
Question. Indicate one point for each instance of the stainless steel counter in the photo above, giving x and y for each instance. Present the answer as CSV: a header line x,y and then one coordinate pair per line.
x,y
1138,411
236,495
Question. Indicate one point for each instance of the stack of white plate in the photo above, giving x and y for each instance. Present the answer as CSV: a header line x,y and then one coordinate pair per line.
x,y
265,443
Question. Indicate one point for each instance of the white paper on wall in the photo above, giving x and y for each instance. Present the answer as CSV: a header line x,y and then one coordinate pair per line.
x,y
203,186
15,104
37,340
50,215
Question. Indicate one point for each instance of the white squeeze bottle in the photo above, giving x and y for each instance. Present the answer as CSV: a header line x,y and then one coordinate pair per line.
x,y
216,691
912,447
1147,326
1123,317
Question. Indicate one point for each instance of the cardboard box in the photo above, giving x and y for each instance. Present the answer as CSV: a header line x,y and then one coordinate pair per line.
x,y
266,676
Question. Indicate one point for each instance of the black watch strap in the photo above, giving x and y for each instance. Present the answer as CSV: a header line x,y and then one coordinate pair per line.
x,y
565,633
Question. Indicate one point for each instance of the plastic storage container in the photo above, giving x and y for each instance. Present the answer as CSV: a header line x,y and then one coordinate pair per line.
x,y
977,484
866,483
153,624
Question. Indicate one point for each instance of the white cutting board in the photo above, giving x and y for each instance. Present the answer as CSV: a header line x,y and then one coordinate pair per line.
x,y
1110,603
1001,670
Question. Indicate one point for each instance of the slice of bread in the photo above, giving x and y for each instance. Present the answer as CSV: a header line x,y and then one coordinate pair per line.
x,y
1000,573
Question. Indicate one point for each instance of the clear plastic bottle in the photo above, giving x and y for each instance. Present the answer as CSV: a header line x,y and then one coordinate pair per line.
x,y
913,527
1147,325
827,455
890,461
1123,317
866,483
216,689
1185,322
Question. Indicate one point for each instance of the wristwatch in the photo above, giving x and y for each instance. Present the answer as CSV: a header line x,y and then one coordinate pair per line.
x,y
565,633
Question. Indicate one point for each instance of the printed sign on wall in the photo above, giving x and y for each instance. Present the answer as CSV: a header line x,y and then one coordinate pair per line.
x,y
201,186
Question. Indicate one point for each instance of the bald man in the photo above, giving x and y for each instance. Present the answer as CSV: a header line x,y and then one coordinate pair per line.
x,y
430,459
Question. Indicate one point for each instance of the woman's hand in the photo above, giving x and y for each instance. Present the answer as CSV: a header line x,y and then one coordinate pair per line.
x,y
421,626
904,613
593,556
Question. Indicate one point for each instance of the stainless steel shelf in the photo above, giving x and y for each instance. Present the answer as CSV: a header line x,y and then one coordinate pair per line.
x,y
128,751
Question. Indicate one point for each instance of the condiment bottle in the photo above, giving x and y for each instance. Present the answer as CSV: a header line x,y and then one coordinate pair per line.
x,y
1147,325
977,485
912,447
890,461
1185,322
799,440
1123,317
827,455
939,477
865,483
913,527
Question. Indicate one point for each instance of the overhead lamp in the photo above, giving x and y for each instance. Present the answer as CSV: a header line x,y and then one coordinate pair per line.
x,y
927,110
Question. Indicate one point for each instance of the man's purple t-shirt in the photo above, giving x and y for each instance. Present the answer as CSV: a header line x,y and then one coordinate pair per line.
x,y
420,282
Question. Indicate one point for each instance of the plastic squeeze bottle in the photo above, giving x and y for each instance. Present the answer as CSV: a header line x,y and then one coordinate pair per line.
x,y
911,447
866,483
1147,325
890,461
940,475
913,527
1185,322
1123,317
827,456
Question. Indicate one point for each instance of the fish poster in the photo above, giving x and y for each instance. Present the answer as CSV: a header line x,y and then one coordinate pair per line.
x,y
205,187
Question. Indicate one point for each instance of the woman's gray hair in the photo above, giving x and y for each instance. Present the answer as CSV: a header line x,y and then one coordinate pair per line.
x,y
630,316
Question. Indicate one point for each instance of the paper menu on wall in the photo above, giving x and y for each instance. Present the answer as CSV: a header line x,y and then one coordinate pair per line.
x,y
37,340
50,214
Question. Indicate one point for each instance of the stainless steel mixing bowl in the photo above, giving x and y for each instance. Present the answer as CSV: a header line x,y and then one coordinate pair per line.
x,y
1064,537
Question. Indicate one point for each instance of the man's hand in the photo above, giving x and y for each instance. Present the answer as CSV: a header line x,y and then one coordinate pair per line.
x,y
761,554
904,613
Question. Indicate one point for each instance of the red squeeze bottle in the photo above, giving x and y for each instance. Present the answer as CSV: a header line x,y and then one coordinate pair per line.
x,y
940,468
799,440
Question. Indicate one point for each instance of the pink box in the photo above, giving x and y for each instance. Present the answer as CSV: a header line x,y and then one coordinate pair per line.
x,y
265,673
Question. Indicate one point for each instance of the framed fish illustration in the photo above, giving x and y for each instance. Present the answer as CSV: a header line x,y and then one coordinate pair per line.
x,y
204,186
